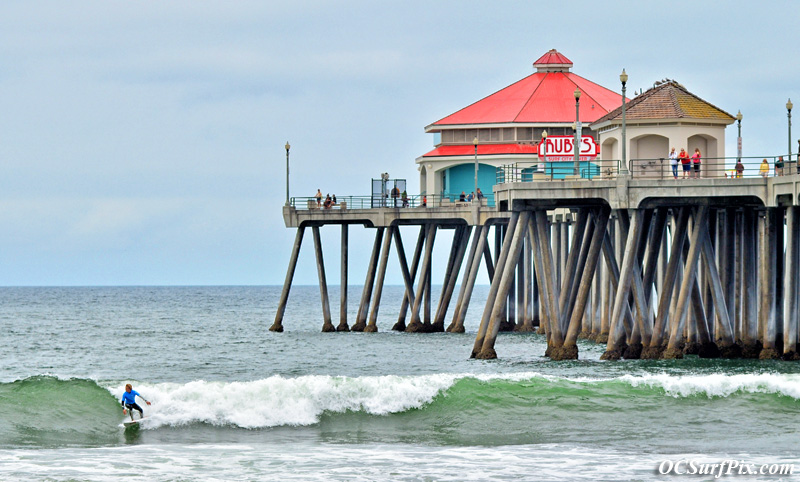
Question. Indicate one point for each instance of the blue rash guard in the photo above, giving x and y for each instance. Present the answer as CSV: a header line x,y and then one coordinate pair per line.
x,y
130,398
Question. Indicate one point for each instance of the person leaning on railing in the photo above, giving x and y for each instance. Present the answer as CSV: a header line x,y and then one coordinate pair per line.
x,y
779,166
739,169
764,169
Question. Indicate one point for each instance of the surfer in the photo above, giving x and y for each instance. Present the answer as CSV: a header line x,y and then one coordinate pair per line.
x,y
129,401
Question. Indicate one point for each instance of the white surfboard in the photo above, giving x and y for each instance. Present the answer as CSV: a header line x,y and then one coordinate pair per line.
x,y
131,423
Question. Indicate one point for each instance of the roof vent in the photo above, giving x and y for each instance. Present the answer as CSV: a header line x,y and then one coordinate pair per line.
x,y
553,61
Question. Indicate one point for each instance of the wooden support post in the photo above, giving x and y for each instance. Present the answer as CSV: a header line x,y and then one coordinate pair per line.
x,y
665,296
343,283
739,295
416,326
494,288
550,292
606,286
557,246
790,284
597,294
323,284
569,280
478,243
487,255
526,284
277,325
613,350
750,345
767,272
366,293
565,251
594,243
447,290
372,326
427,295
511,254
729,266
723,333
451,259
690,272
408,277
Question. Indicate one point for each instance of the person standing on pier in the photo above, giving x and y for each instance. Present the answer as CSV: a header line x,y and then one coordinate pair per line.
x,y
480,193
779,166
463,197
696,163
673,161
318,195
739,169
404,195
471,196
686,163
764,169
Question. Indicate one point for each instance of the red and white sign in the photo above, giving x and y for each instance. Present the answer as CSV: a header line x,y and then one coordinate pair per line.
x,y
562,148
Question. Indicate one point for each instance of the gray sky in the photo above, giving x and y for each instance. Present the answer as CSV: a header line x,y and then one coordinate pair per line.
x,y
142,142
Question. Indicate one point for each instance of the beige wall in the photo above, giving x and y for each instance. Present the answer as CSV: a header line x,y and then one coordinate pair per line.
x,y
650,142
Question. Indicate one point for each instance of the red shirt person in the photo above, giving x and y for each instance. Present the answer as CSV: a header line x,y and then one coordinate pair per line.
x,y
696,163
686,163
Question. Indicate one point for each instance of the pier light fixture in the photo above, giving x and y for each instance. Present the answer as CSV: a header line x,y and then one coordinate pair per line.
x,y
544,153
739,139
287,146
623,77
475,143
576,145
789,106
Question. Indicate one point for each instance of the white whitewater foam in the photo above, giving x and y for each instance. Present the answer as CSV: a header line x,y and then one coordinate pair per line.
x,y
278,401
720,385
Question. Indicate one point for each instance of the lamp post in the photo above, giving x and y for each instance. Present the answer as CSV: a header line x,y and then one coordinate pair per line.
x,y
287,146
789,116
544,154
577,169
475,143
739,139
623,77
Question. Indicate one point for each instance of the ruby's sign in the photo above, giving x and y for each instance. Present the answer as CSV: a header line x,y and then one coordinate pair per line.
x,y
562,148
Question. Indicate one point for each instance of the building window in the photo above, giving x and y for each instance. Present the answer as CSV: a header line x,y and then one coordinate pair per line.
x,y
524,133
508,134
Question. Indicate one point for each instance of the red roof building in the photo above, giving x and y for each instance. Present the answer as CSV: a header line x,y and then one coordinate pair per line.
x,y
508,125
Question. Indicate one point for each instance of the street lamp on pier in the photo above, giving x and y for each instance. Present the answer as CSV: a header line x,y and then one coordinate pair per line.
x,y
577,169
789,116
287,146
475,192
739,139
623,77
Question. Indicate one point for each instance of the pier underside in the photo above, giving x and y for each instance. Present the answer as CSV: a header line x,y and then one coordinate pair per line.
x,y
649,269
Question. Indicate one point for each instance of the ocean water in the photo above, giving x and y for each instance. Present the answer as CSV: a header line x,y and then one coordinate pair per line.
x,y
234,401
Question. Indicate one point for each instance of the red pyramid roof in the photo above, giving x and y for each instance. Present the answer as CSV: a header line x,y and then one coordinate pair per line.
x,y
542,97
553,57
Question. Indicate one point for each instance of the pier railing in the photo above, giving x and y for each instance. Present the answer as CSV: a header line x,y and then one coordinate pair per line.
x,y
373,202
650,168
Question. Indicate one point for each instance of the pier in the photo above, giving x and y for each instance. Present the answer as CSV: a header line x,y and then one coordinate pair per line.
x,y
587,231
651,268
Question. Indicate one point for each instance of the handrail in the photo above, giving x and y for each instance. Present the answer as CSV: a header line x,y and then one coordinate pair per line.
x,y
372,202
648,168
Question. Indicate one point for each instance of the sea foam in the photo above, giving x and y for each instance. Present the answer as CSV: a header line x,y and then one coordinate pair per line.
x,y
280,401
277,401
